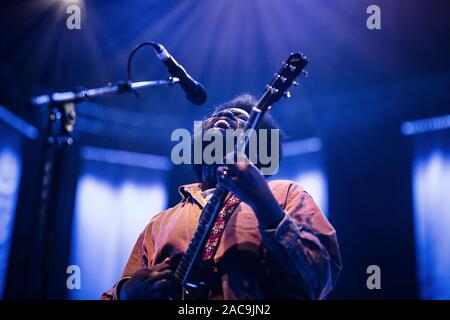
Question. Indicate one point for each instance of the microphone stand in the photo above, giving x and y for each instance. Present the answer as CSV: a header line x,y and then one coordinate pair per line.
x,y
85,94
58,137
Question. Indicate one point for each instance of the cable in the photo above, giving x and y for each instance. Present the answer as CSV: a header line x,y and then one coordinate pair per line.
x,y
133,52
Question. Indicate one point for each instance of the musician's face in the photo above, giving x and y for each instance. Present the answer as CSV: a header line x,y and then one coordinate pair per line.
x,y
229,118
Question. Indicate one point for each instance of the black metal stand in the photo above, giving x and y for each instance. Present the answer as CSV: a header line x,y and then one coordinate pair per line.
x,y
59,131
61,124
85,94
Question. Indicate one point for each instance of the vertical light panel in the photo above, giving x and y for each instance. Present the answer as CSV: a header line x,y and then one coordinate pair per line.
x,y
117,195
315,183
12,131
303,164
10,171
431,196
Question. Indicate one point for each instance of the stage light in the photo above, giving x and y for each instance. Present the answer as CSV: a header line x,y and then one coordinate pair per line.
x,y
430,185
297,147
425,125
315,182
128,158
303,163
69,2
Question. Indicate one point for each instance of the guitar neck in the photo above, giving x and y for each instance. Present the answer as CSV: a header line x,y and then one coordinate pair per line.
x,y
289,70
198,241
210,213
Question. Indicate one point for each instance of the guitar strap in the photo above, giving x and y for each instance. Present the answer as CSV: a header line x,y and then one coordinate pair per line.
x,y
216,233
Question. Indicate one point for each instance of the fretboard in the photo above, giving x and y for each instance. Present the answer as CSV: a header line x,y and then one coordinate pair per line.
x,y
198,241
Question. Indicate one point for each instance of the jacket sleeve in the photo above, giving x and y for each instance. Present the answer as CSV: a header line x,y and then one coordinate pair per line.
x,y
302,252
137,260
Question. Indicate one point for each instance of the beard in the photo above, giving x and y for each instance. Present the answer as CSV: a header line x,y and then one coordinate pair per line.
x,y
209,176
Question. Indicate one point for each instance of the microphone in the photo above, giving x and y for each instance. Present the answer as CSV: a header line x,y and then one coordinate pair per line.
x,y
195,92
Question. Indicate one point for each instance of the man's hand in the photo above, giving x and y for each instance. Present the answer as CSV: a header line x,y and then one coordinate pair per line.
x,y
153,283
247,182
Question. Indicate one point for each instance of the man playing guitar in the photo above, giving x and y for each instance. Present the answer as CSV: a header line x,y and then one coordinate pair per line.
x,y
274,244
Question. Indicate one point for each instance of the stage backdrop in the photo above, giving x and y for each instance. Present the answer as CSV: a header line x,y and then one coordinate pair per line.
x,y
13,131
303,162
118,192
431,194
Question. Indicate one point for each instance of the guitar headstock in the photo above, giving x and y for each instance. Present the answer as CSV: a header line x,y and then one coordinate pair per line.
x,y
283,80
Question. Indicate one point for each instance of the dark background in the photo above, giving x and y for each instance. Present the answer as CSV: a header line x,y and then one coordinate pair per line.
x,y
363,85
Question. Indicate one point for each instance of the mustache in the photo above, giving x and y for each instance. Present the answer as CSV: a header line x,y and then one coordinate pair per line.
x,y
221,122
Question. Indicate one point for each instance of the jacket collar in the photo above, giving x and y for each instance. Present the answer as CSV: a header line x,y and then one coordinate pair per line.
x,y
192,191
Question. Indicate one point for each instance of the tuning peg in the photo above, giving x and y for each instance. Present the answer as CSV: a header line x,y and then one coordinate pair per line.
x,y
272,89
283,79
305,73
287,95
289,66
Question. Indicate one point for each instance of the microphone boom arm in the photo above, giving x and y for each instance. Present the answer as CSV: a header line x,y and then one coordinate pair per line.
x,y
109,90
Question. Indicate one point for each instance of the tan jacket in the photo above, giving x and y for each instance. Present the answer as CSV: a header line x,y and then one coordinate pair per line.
x,y
298,260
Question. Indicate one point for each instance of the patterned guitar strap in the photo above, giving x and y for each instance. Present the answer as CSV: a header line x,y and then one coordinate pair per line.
x,y
216,233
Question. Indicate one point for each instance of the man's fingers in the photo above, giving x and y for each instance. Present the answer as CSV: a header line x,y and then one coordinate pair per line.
x,y
162,291
158,290
156,276
229,171
223,174
162,284
236,157
162,266
227,180
143,273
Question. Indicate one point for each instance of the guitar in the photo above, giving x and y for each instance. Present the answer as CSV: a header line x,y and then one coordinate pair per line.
x,y
189,270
